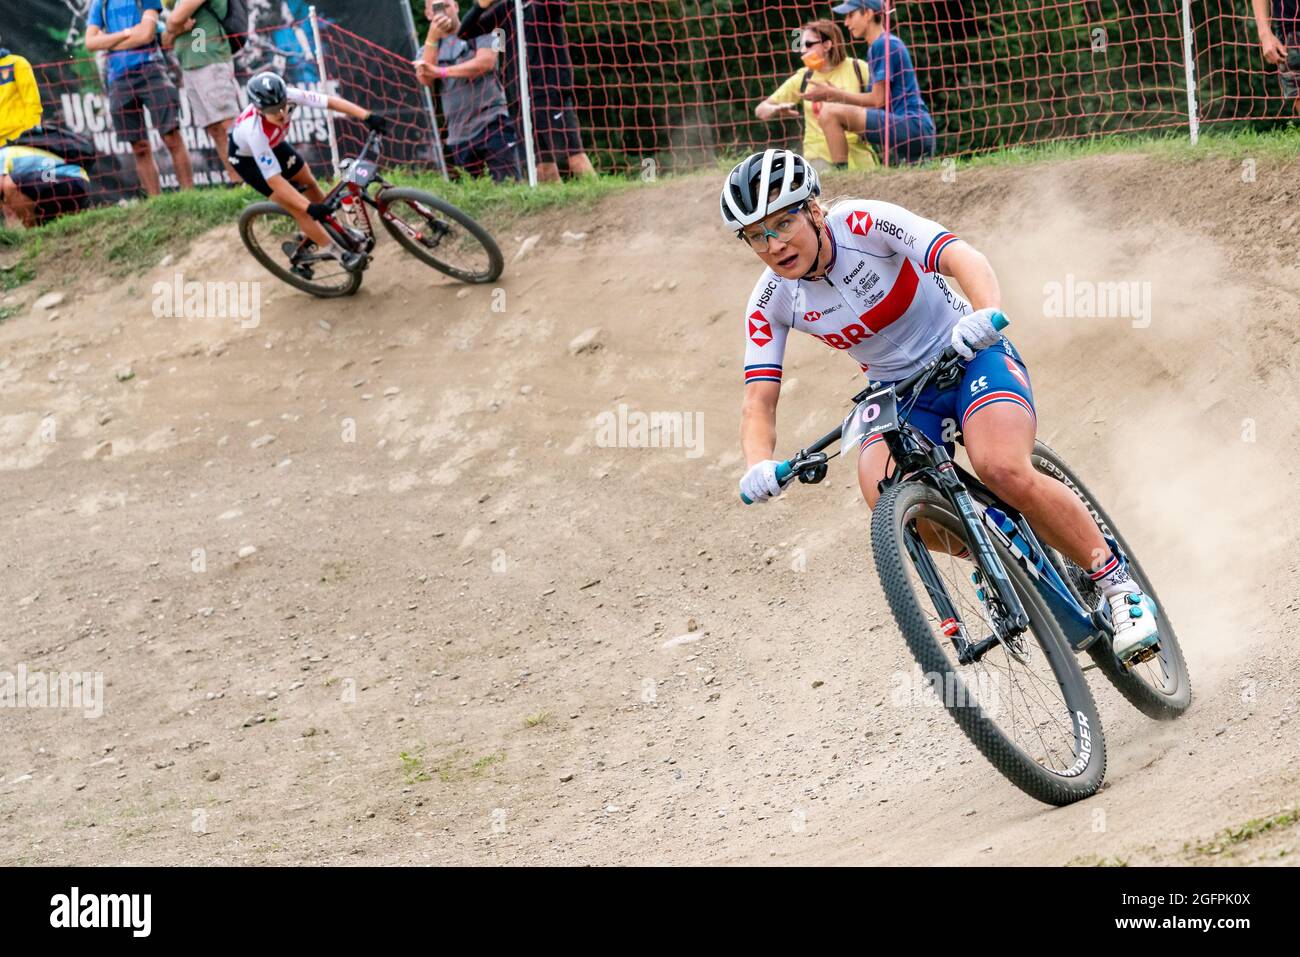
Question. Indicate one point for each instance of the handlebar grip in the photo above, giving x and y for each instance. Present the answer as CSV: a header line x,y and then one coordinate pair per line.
x,y
1000,321
782,473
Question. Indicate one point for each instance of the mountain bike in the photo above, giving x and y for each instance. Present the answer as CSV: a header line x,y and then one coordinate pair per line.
x,y
431,229
997,632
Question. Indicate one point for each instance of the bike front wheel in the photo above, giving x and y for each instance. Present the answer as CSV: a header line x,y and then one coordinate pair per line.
x,y
1024,704
440,235
271,234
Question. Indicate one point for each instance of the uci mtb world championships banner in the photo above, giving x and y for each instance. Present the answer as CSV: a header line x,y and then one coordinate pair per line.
x,y
51,35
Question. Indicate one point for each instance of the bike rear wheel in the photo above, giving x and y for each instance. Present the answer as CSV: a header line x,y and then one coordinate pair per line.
x,y
272,236
1025,705
440,235
1160,687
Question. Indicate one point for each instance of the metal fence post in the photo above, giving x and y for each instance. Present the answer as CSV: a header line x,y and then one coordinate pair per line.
x,y
1189,62
320,71
525,102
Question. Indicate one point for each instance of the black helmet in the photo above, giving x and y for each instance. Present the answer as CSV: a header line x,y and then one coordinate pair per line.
x,y
266,90
764,183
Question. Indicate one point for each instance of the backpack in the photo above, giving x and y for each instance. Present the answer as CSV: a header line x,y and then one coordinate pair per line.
x,y
62,142
235,23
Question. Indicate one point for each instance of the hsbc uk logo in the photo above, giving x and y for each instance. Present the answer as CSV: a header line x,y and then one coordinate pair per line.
x,y
811,316
760,330
859,222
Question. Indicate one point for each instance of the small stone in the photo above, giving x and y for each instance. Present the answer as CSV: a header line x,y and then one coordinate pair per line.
x,y
104,418
49,300
255,719
261,441
566,777
166,261
586,341
571,237
212,776
527,246
125,374
392,390
818,684
248,551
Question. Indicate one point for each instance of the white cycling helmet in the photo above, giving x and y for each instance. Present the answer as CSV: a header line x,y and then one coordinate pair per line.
x,y
747,196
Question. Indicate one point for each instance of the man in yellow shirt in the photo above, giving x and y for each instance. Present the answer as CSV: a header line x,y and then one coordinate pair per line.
x,y
825,63
20,100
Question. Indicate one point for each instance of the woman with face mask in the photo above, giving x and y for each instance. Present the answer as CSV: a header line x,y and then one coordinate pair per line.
x,y
826,65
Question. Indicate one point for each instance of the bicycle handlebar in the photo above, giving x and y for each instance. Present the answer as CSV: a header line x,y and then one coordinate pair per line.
x,y
785,470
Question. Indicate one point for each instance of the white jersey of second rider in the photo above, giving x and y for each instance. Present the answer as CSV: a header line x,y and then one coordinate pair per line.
x,y
882,300
255,136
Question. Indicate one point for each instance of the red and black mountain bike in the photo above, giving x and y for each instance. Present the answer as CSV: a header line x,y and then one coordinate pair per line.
x,y
430,229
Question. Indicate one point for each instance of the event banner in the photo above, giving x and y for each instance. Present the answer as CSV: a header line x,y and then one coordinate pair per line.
x,y
365,48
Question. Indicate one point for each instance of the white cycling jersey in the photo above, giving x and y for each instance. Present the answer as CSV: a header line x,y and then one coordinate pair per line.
x,y
882,300
254,135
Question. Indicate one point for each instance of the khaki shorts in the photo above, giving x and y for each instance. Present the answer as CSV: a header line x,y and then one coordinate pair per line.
x,y
213,93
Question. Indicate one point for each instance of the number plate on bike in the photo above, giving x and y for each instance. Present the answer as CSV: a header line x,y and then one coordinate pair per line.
x,y
875,414
362,173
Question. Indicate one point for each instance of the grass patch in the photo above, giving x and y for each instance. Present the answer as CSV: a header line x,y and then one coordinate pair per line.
x,y
133,236
450,769
8,312
413,765
533,720
1230,838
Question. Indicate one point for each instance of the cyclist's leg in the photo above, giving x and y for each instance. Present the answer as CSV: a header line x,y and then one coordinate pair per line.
x,y
998,424
298,172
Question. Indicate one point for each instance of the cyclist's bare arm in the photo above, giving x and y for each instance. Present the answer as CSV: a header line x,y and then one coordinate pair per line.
x,y
758,421
973,273
340,105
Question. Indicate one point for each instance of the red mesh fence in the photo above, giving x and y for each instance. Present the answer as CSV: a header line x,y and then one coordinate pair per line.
x,y
666,84
1234,80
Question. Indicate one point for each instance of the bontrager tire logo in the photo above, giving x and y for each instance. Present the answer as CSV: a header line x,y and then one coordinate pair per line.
x,y
133,911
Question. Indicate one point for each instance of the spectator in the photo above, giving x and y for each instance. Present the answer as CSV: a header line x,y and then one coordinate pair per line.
x,y
36,185
825,64
208,66
479,129
136,80
20,100
906,122
1279,41
550,79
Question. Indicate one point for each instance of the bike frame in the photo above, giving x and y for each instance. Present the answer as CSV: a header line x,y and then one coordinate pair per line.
x,y
362,174
983,516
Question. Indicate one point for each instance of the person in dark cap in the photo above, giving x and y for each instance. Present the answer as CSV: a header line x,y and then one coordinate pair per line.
x,y
906,123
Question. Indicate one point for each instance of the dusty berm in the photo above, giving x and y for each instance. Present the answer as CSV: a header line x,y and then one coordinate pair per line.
x,y
388,580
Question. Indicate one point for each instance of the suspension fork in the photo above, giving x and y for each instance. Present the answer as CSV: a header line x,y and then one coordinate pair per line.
x,y
1013,620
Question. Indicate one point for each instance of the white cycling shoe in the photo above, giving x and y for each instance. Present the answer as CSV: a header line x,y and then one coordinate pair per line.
x,y
1133,616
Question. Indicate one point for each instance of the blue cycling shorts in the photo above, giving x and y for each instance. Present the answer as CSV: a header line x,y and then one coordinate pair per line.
x,y
996,375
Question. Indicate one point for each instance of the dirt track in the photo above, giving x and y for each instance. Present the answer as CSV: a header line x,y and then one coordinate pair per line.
x,y
495,590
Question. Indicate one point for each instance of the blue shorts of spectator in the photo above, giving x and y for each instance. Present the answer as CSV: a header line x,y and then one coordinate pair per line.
x,y
911,137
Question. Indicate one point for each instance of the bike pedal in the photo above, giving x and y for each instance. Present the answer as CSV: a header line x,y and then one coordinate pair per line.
x,y
1146,654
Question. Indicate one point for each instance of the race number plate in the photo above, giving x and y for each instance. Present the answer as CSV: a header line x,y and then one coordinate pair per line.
x,y
876,413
